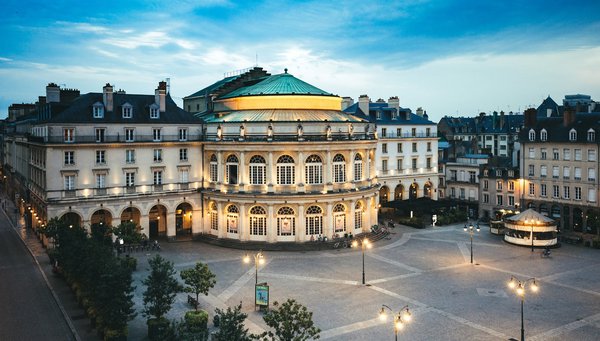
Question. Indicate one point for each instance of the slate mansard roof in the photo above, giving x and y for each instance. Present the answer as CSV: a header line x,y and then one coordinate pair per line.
x,y
386,115
557,132
81,110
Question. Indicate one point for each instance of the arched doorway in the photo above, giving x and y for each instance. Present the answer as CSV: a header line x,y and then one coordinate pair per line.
x,y
412,193
398,192
102,218
158,221
131,214
339,218
384,194
531,205
72,219
544,209
427,190
183,220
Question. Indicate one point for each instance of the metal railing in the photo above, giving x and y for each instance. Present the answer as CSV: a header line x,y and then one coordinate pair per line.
x,y
118,138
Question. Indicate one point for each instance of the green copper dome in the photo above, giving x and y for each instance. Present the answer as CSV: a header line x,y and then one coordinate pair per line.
x,y
281,84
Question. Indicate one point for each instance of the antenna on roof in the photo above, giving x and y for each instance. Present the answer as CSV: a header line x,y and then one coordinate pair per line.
x,y
168,84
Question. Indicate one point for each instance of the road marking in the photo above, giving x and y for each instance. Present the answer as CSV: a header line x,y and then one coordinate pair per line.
x,y
388,279
393,262
590,320
309,279
237,285
558,274
455,241
349,328
441,312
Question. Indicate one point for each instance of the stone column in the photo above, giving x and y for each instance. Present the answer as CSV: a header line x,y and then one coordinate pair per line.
x,y
145,224
367,170
243,228
242,172
301,173
222,220
352,217
300,225
171,231
198,224
327,179
270,173
271,226
220,168
328,221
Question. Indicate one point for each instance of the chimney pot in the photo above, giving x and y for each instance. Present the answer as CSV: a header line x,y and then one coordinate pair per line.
x,y
107,97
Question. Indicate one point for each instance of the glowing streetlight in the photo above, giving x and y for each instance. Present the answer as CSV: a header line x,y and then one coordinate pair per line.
x,y
259,259
471,229
364,244
400,318
520,287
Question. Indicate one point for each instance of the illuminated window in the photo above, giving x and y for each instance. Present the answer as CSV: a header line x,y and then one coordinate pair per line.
x,y
339,217
314,170
231,170
257,170
339,168
358,167
214,217
214,169
286,170
258,221
314,221
286,222
157,177
232,219
358,216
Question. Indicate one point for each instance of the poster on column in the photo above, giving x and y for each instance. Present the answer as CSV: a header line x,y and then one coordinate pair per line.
x,y
339,223
286,226
232,222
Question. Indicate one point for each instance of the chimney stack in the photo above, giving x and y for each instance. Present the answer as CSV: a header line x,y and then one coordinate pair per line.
x,y
394,102
420,111
107,97
160,96
52,93
501,119
530,117
569,116
346,102
363,104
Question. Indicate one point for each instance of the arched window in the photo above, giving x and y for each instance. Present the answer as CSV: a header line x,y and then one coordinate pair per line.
x,y
339,217
314,221
544,135
339,168
358,216
258,221
358,167
214,216
573,135
127,110
231,170
286,170
232,219
286,222
314,170
258,167
591,135
98,110
214,168
531,135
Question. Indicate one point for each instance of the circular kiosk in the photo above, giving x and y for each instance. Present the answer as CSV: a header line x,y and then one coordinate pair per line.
x,y
530,228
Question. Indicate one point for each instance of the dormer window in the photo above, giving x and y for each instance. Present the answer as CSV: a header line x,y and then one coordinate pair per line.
x,y
98,110
378,114
591,135
543,135
532,135
127,110
154,112
573,135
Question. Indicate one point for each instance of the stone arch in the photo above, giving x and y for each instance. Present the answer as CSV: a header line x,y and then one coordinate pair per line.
x,y
131,214
72,219
399,192
101,217
413,191
157,217
183,219
428,190
339,218
384,194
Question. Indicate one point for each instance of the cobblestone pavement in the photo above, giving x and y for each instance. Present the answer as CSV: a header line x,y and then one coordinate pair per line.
x,y
428,270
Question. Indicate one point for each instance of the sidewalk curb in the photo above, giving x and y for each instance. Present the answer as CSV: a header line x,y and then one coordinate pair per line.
x,y
54,295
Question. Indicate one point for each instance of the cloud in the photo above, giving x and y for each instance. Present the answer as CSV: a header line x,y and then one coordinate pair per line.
x,y
155,39
3,59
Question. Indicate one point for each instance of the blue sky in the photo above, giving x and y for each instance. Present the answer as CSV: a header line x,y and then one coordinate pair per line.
x,y
449,57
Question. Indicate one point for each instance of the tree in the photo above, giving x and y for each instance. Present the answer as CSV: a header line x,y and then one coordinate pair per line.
x,y
199,280
231,325
127,231
290,322
161,288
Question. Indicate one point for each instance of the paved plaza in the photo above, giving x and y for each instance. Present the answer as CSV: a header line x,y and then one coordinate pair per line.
x,y
428,270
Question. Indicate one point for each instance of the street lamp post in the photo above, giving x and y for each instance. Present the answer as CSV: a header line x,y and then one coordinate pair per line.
x,y
531,223
471,229
400,318
364,244
520,287
259,259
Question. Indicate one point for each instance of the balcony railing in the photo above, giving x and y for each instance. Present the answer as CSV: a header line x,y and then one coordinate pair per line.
x,y
392,135
118,138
